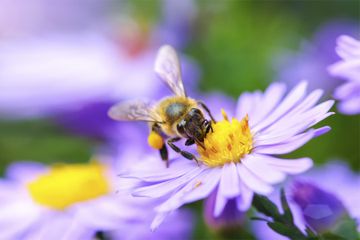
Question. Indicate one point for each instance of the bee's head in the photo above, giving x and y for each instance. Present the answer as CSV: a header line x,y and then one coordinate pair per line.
x,y
194,125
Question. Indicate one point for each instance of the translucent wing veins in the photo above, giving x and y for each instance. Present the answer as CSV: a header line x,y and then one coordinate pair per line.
x,y
167,66
134,111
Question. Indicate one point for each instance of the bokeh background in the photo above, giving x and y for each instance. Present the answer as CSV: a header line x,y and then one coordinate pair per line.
x,y
59,58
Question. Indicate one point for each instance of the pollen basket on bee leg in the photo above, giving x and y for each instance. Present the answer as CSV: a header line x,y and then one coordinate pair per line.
x,y
155,140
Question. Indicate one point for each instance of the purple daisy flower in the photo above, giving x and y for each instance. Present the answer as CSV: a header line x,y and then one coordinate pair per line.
x,y
313,57
239,158
321,210
348,69
314,201
75,201
177,19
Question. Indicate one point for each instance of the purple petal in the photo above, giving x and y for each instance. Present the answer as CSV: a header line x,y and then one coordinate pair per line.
x,y
346,69
17,217
290,166
348,47
302,120
252,181
292,144
159,218
321,131
54,226
220,203
208,184
350,106
309,102
194,186
103,213
346,90
243,202
163,188
229,183
159,172
273,94
257,166
286,105
284,129
246,103
25,171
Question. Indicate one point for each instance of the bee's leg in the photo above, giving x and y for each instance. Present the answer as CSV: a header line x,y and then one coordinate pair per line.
x,y
163,150
189,142
164,155
185,154
208,128
203,105
155,127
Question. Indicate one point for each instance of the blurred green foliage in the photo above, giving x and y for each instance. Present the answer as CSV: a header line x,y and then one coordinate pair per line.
x,y
41,141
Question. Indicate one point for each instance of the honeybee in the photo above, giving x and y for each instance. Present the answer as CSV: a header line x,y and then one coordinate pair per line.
x,y
174,117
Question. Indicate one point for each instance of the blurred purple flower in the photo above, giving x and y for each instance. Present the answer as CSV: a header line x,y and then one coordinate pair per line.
x,y
90,121
277,124
348,69
321,210
329,191
75,202
56,73
60,71
40,17
177,19
229,218
311,61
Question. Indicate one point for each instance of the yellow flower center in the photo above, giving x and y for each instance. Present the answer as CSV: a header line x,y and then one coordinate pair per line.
x,y
65,185
229,142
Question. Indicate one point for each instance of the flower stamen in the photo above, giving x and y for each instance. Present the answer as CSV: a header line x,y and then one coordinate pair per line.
x,y
65,185
230,141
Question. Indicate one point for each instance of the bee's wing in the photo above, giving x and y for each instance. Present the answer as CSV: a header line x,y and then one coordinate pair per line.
x,y
167,66
136,110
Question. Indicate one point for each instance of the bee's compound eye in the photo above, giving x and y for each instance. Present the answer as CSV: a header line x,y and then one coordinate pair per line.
x,y
180,127
196,111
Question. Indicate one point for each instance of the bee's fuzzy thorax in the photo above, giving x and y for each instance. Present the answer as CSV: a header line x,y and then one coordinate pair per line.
x,y
172,110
